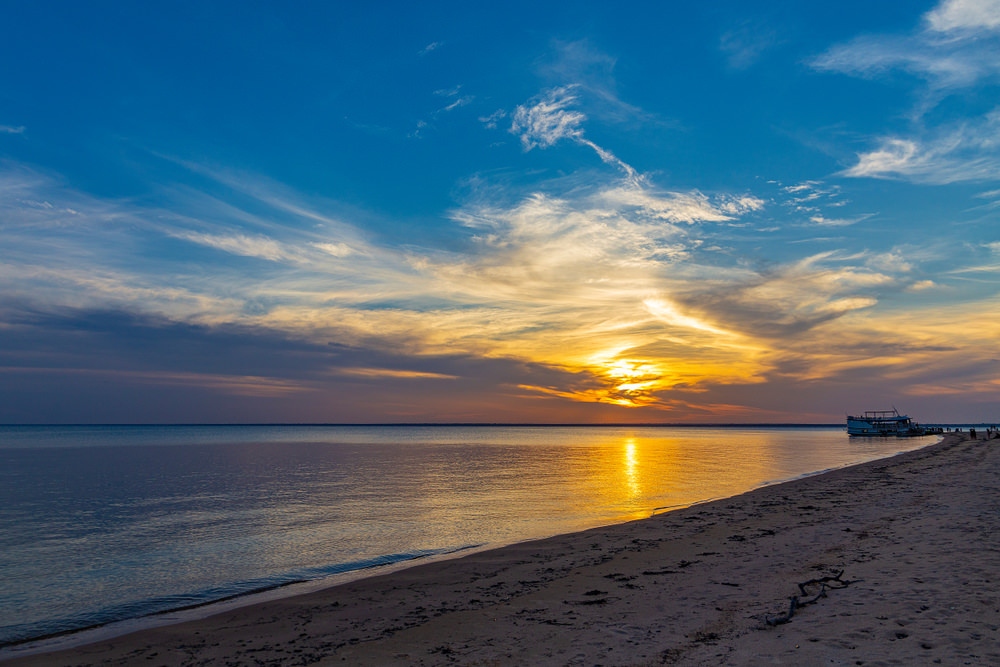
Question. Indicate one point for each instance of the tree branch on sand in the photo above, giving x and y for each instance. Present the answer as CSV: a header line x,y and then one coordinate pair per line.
x,y
795,602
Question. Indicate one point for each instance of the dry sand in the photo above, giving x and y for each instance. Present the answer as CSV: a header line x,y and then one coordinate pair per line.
x,y
915,537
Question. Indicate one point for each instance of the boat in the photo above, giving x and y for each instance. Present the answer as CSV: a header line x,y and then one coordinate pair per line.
x,y
886,423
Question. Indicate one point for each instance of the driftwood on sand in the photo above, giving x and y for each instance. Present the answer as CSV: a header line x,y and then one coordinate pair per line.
x,y
796,602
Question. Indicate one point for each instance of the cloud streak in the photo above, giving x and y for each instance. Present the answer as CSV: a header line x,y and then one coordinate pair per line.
x,y
247,246
550,118
969,151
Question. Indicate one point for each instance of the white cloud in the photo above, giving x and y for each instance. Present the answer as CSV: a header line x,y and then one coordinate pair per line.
x,y
688,207
836,222
741,204
895,156
609,158
457,102
493,119
953,15
967,151
241,244
894,261
8,129
335,249
460,102
809,195
805,186
944,64
547,119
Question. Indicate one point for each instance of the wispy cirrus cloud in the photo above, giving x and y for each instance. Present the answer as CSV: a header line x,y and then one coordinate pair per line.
x,y
579,71
393,373
550,118
591,71
809,196
963,151
242,244
956,47
12,129
955,51
809,203
457,99
745,44
686,207
433,46
239,385
823,221
944,64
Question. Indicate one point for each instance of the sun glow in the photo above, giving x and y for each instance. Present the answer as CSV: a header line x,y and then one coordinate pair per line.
x,y
628,381
627,368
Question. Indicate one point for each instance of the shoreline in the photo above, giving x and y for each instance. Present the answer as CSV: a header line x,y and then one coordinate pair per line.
x,y
71,638
74,637
680,586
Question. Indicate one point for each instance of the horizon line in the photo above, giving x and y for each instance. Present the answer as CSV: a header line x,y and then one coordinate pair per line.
x,y
490,424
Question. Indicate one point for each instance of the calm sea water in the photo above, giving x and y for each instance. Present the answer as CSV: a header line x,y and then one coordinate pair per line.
x,y
99,524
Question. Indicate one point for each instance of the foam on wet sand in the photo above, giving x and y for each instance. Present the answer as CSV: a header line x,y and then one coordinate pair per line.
x,y
915,537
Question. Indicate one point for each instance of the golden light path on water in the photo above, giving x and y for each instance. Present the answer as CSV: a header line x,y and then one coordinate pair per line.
x,y
630,469
638,473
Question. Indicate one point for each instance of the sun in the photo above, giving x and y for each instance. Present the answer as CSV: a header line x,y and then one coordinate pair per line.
x,y
630,382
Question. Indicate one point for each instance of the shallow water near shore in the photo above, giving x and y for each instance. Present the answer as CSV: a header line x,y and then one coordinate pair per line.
x,y
100,524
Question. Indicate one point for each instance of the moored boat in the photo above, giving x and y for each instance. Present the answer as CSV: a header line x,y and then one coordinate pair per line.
x,y
886,423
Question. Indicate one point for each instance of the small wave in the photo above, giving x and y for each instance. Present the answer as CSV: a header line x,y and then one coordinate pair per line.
x,y
29,633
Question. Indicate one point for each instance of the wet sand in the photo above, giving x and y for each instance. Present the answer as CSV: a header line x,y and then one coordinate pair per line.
x,y
913,540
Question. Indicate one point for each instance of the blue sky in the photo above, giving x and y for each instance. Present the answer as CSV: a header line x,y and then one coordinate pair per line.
x,y
542,212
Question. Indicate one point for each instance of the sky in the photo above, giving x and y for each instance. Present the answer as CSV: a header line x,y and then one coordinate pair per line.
x,y
534,212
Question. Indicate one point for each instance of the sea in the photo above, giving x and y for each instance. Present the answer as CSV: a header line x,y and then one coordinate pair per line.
x,y
101,525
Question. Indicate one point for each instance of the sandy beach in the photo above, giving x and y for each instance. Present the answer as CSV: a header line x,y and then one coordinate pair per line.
x,y
903,554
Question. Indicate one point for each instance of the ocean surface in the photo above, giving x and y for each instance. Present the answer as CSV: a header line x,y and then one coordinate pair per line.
x,y
104,523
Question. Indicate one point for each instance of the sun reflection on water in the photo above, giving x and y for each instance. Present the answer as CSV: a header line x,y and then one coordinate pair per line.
x,y
631,469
